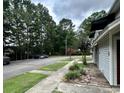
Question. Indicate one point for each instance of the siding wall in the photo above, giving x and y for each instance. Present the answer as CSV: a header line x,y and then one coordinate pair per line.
x,y
97,55
103,58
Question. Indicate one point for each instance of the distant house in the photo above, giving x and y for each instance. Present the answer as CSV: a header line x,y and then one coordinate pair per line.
x,y
106,44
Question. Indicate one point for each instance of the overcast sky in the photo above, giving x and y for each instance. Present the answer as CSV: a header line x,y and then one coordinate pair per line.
x,y
76,10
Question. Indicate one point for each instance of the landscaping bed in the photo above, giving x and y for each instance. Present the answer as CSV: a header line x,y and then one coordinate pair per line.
x,y
87,74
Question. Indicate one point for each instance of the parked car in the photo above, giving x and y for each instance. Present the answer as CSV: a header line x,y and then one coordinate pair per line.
x,y
40,56
6,60
43,56
36,56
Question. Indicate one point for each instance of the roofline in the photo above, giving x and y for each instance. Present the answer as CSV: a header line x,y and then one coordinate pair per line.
x,y
113,6
107,30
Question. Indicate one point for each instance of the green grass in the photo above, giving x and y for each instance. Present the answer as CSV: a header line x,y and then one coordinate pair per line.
x,y
55,66
88,58
67,59
22,83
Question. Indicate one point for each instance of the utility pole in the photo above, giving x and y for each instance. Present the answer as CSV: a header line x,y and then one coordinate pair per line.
x,y
70,50
66,45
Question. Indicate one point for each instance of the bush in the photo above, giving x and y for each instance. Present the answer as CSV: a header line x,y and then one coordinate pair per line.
x,y
75,66
72,75
82,71
76,70
72,67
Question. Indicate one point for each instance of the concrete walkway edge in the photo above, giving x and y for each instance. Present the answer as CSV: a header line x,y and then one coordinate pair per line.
x,y
50,83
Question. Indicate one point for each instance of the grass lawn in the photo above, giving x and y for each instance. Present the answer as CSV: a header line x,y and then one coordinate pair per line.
x,y
67,59
22,83
88,58
55,66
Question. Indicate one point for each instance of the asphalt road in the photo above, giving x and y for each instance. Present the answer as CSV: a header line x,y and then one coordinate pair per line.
x,y
21,66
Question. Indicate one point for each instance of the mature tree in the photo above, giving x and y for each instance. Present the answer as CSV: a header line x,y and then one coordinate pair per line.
x,y
86,24
84,31
28,28
65,35
6,23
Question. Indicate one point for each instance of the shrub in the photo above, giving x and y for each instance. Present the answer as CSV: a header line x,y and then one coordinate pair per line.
x,y
82,71
75,66
72,75
72,67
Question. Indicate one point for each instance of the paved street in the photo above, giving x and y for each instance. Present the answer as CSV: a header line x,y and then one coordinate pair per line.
x,y
19,67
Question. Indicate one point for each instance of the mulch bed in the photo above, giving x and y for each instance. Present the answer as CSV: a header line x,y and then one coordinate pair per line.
x,y
93,77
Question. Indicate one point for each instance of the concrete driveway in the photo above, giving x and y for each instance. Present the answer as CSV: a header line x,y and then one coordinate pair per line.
x,y
21,66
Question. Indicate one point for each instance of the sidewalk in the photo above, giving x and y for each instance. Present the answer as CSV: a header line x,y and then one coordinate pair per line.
x,y
77,88
54,81
49,84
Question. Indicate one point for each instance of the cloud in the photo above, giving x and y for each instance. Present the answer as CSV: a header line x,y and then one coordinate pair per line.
x,y
79,8
76,10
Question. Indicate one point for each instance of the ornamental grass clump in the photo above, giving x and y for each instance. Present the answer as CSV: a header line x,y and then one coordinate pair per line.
x,y
75,71
75,66
72,75
82,71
